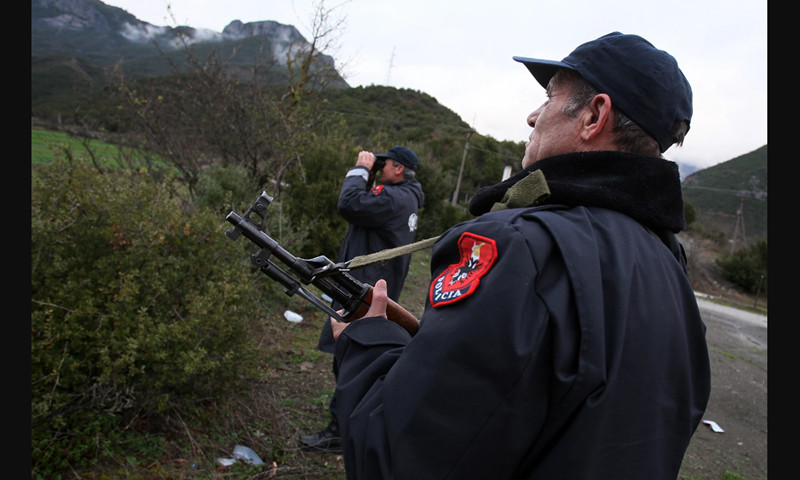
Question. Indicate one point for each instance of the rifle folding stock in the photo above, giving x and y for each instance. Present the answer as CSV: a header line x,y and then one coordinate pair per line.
x,y
330,278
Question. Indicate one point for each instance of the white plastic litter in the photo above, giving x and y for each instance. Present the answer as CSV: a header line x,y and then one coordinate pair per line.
x,y
713,426
292,317
246,454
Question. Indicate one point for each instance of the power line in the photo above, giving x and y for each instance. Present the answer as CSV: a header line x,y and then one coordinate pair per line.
x,y
757,194
508,157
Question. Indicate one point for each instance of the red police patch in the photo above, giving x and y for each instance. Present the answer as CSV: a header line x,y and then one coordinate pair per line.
x,y
461,279
377,189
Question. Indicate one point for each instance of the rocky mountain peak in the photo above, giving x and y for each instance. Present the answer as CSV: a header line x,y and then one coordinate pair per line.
x,y
71,14
278,31
105,35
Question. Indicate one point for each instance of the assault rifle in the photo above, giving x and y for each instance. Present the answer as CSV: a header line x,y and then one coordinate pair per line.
x,y
331,278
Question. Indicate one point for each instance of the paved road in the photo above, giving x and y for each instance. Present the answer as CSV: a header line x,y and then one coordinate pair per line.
x,y
746,325
737,342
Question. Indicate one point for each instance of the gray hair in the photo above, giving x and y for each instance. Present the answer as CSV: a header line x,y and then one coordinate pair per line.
x,y
408,173
629,136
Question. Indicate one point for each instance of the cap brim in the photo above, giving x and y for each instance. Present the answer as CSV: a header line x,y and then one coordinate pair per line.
x,y
542,70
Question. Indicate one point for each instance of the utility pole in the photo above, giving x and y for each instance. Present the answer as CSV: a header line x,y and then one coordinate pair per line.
x,y
739,221
391,64
461,170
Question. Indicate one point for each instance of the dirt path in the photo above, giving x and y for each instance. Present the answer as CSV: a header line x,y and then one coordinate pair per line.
x,y
737,343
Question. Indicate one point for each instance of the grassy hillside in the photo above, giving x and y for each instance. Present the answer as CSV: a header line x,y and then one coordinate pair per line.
x,y
719,193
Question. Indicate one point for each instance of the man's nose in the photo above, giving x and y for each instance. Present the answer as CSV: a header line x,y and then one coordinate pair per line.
x,y
532,117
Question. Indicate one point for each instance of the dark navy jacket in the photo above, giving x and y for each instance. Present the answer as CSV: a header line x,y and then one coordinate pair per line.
x,y
559,341
381,218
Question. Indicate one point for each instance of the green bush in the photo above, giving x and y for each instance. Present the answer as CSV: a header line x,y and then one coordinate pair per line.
x,y
746,267
689,213
138,310
310,201
223,189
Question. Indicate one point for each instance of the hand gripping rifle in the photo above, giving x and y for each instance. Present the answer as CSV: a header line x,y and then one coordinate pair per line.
x,y
331,278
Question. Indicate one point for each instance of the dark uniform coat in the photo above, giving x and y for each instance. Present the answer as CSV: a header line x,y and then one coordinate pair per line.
x,y
381,218
559,341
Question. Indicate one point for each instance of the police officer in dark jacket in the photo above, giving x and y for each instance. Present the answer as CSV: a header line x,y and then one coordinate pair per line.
x,y
561,338
380,217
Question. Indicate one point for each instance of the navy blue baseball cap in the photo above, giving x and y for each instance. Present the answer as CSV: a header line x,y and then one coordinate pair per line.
x,y
402,155
643,82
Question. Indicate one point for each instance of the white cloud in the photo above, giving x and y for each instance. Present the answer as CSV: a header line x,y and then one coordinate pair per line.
x,y
142,33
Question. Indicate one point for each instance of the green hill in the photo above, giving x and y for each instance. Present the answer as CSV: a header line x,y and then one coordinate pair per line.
x,y
731,197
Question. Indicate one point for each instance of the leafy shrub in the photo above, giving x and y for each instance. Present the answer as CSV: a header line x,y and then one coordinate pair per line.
x,y
311,201
689,213
138,310
746,267
226,188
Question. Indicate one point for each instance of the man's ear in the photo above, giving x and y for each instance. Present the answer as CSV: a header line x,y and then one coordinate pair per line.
x,y
597,117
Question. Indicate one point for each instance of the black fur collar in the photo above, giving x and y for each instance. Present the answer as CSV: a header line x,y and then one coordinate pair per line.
x,y
647,189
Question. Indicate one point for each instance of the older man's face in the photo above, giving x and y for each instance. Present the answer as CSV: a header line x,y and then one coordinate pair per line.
x,y
553,132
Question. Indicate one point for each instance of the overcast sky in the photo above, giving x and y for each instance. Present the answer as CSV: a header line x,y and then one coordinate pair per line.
x,y
459,52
